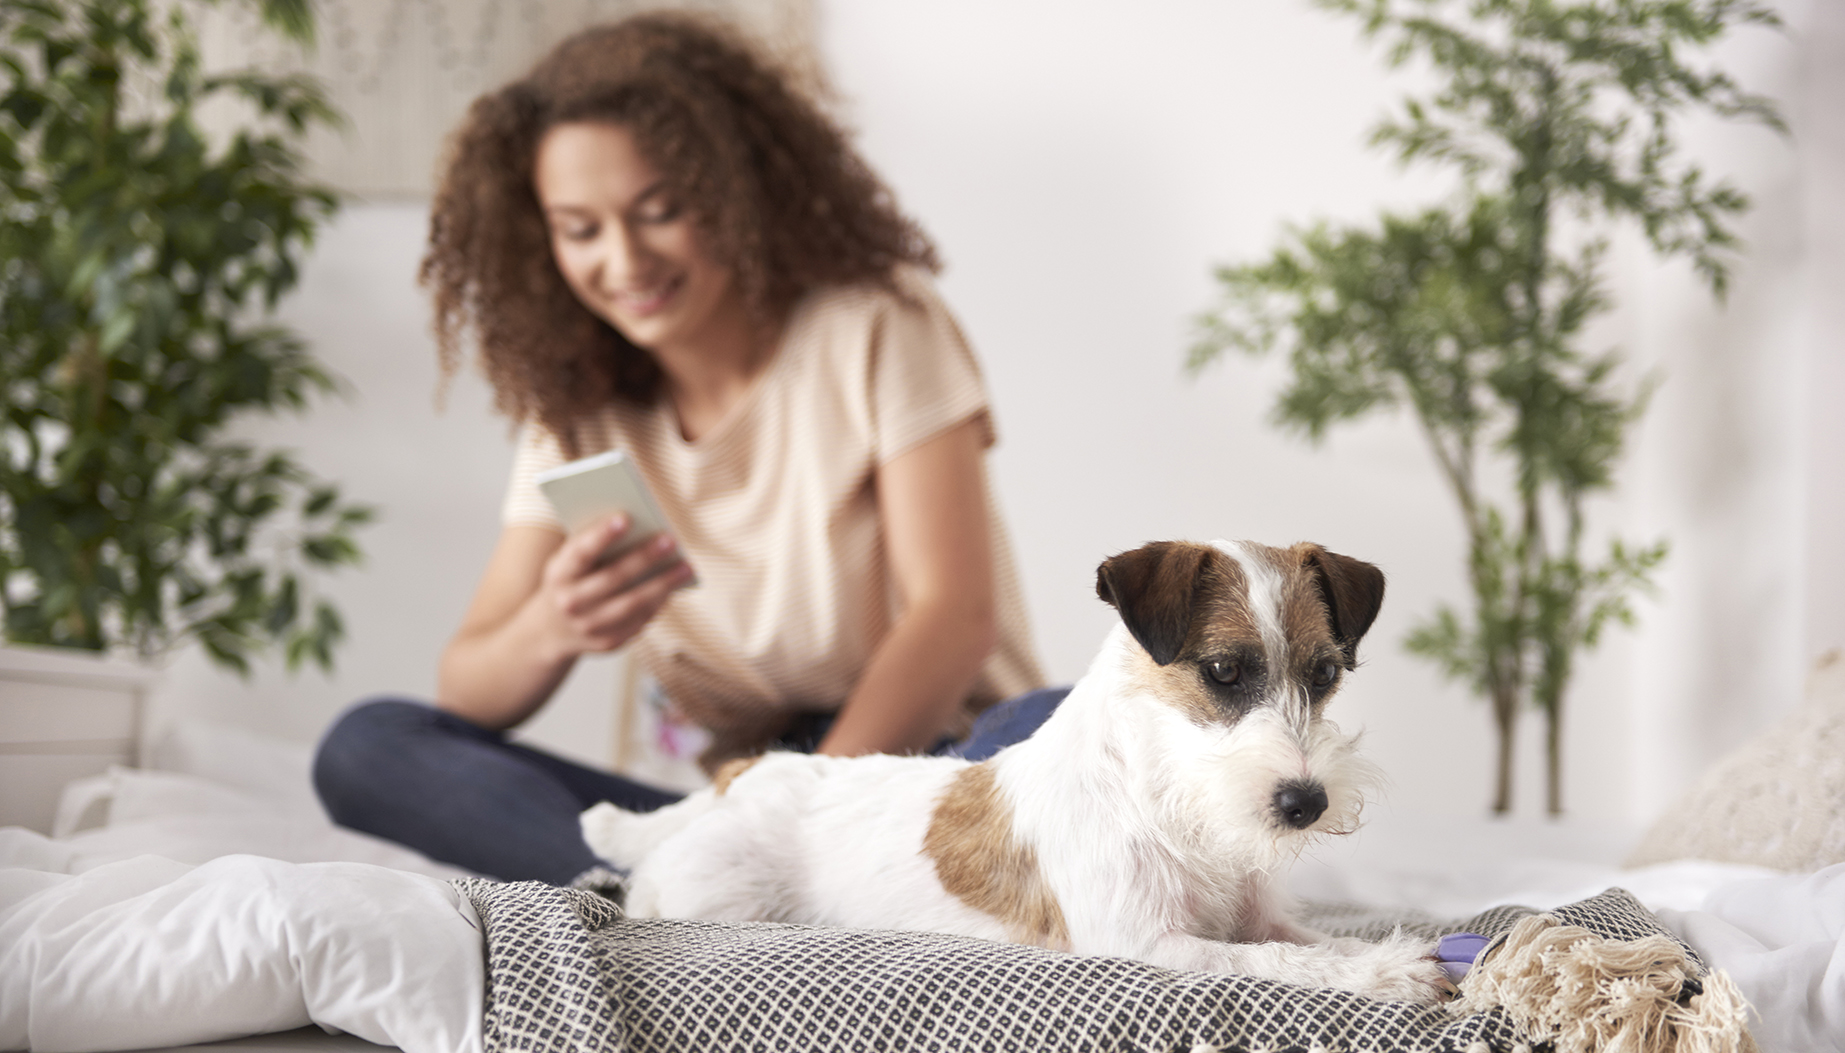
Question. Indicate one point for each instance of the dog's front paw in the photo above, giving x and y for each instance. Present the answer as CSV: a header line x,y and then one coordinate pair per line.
x,y
600,823
1398,969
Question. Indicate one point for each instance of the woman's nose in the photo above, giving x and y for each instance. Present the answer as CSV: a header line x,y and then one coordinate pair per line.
x,y
624,256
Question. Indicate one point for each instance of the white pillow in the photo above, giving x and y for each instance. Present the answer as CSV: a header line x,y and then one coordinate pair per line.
x,y
248,760
192,820
1778,801
148,952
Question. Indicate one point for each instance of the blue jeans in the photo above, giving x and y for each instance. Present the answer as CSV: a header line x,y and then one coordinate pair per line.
x,y
458,793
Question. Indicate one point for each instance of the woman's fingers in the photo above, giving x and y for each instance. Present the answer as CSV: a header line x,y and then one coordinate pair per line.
x,y
581,553
603,606
650,557
626,613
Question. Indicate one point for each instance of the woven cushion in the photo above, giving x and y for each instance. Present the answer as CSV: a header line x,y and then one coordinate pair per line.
x,y
1778,801
567,972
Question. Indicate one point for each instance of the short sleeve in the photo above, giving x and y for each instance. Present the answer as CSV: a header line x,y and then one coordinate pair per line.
x,y
924,378
525,504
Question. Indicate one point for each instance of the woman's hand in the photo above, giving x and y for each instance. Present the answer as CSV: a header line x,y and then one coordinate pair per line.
x,y
541,604
599,608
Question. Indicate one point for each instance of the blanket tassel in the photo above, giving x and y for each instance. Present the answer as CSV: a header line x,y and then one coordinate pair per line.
x,y
1568,987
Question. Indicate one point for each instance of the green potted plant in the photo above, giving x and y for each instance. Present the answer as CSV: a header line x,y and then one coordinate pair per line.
x,y
140,261
1558,119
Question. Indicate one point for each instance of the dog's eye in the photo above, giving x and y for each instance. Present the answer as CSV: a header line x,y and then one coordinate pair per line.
x,y
1225,671
1325,673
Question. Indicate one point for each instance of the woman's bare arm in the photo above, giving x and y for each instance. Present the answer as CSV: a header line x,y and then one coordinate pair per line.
x,y
541,604
933,501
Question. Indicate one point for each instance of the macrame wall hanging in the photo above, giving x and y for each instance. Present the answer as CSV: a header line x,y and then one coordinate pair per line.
x,y
404,71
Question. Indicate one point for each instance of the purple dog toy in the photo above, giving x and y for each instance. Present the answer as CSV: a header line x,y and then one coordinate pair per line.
x,y
1457,952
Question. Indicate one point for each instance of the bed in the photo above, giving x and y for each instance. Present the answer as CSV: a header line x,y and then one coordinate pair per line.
x,y
207,899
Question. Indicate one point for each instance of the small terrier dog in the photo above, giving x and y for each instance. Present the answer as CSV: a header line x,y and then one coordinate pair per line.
x,y
1147,818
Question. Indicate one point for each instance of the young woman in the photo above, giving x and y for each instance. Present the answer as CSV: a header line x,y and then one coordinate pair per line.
x,y
661,247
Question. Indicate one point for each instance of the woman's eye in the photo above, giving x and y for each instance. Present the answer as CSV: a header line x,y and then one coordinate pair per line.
x,y
580,233
1325,673
659,212
1225,672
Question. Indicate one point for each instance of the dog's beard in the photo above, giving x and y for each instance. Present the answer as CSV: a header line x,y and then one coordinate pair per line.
x,y
1222,795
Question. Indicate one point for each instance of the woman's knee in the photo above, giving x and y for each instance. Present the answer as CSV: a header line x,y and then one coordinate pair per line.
x,y
366,726
1009,722
354,758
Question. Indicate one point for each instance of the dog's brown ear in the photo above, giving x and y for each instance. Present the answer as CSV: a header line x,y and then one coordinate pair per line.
x,y
1152,588
1353,591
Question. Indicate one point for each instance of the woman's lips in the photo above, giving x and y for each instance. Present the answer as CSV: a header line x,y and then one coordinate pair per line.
x,y
645,301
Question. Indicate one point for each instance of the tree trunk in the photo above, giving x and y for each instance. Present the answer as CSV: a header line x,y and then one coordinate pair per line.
x,y
1505,718
1553,758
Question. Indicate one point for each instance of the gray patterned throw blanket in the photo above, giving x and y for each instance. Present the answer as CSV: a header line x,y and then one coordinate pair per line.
x,y
567,972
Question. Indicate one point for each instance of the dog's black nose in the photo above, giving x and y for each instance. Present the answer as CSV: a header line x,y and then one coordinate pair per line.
x,y
1298,804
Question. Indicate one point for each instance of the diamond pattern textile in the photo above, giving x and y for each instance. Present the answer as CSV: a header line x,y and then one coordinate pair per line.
x,y
567,972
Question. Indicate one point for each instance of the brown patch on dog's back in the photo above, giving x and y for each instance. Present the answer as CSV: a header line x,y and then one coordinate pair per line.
x,y
728,772
981,863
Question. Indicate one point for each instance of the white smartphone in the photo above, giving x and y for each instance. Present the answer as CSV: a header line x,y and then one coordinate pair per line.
x,y
592,489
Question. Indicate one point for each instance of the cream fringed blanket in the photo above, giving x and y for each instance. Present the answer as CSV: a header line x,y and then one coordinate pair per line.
x,y
567,972
1575,991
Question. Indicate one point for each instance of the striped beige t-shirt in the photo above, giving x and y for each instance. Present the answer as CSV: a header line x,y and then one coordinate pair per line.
x,y
777,511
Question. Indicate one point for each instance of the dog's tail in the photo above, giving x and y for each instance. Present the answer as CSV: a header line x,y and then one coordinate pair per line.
x,y
625,838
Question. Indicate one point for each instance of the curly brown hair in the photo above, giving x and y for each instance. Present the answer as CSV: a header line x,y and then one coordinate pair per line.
x,y
777,190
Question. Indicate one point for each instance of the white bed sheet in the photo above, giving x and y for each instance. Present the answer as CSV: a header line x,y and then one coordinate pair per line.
x,y
1782,939
1457,866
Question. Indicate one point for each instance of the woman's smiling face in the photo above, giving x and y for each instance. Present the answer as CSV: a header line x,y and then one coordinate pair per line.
x,y
631,251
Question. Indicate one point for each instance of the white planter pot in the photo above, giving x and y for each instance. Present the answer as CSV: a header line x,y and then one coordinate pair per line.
x,y
63,715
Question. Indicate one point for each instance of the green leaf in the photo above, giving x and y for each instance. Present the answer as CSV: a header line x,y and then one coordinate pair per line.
x,y
116,332
225,647
329,550
320,500
24,105
285,607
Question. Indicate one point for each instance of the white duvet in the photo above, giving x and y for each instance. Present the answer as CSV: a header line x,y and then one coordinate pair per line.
x,y
1782,939
149,952
216,900
144,930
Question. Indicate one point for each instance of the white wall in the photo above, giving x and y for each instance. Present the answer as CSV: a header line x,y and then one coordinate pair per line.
x,y
1082,166
1822,168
